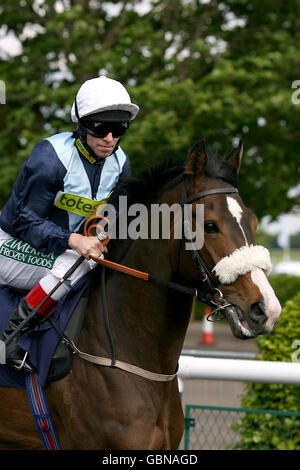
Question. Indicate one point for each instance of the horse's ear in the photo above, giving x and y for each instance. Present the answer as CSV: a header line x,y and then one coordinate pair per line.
x,y
236,158
196,160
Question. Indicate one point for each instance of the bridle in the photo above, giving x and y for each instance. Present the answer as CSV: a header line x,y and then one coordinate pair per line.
x,y
207,279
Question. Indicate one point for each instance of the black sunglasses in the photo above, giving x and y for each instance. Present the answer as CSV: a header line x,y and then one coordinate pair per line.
x,y
101,129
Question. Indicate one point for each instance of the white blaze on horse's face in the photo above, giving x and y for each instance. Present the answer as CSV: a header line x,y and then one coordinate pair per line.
x,y
273,307
249,258
237,212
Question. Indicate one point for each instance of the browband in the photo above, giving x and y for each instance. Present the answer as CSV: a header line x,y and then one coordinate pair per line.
x,y
208,192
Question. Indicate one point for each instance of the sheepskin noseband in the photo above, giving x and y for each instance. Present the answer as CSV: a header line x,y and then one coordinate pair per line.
x,y
242,261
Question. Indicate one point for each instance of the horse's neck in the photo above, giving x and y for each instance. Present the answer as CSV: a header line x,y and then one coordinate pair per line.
x,y
148,322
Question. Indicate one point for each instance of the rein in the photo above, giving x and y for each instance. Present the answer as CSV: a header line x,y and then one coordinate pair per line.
x,y
207,279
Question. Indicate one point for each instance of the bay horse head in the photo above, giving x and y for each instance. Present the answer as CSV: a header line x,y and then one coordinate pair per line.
x,y
234,268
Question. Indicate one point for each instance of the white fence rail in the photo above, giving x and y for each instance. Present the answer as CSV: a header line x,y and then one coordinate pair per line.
x,y
191,367
219,353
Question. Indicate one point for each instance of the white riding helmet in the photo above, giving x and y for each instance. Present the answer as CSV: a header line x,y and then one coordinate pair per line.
x,y
102,94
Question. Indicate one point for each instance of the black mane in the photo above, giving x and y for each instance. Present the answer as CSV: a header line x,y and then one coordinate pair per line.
x,y
155,181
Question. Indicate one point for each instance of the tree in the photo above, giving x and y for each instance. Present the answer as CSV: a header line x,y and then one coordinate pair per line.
x,y
222,70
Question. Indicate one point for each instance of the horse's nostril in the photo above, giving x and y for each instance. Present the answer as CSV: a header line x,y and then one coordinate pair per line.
x,y
257,312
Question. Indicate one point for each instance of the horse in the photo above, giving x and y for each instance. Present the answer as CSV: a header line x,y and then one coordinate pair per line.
x,y
96,407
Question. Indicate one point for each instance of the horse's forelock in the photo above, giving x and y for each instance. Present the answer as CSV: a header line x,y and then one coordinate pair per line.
x,y
219,168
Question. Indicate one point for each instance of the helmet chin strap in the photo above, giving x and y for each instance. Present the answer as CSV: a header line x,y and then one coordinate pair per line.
x,y
82,133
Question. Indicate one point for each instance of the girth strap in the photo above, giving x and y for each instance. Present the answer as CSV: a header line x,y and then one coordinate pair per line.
x,y
112,362
103,361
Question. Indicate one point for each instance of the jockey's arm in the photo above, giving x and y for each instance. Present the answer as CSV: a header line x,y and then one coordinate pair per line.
x,y
26,215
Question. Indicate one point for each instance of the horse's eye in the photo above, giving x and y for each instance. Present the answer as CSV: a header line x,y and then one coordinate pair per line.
x,y
211,227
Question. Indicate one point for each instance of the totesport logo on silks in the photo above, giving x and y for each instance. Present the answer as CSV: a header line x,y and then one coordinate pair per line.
x,y
77,204
24,253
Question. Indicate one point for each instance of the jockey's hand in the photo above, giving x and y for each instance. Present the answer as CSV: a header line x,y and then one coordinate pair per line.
x,y
86,246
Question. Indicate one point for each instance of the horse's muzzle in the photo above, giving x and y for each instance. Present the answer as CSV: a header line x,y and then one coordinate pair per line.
x,y
256,317
247,325
238,325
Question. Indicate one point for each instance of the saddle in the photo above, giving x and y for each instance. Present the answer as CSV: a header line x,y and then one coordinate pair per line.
x,y
49,351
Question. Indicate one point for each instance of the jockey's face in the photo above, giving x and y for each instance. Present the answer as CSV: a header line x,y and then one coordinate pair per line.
x,y
102,146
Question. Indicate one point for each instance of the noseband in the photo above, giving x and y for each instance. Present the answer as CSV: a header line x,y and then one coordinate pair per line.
x,y
207,278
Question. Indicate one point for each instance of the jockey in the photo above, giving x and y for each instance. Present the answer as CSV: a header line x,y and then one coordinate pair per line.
x,y
64,180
